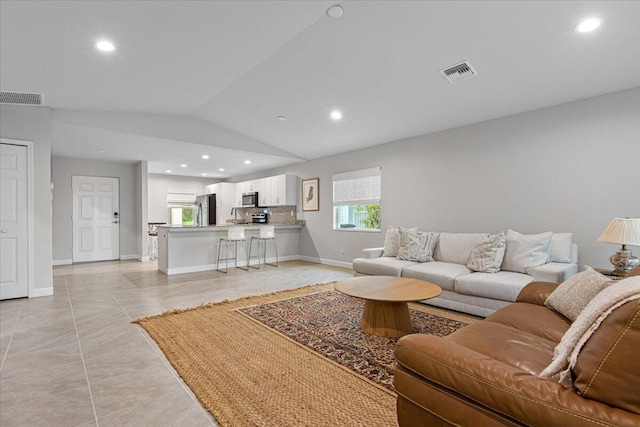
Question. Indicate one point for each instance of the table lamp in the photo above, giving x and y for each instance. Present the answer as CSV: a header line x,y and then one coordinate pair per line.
x,y
625,231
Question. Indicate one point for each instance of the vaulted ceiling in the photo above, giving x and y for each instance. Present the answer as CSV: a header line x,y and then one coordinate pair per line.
x,y
195,77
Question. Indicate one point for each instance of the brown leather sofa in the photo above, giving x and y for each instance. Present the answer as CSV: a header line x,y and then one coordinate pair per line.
x,y
485,374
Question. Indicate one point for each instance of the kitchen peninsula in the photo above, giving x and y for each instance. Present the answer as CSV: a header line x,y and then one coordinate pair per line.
x,y
187,249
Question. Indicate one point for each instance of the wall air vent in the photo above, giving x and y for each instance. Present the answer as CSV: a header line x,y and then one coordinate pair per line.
x,y
458,72
21,98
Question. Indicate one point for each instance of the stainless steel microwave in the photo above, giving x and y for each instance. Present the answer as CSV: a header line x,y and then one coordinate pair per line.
x,y
250,200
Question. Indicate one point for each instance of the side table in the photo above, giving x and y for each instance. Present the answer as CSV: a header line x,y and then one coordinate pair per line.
x,y
610,274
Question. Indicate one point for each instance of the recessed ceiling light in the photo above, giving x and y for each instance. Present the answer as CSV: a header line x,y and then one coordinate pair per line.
x,y
282,118
336,115
205,156
221,170
203,174
183,165
101,151
105,46
247,162
588,25
335,11
168,171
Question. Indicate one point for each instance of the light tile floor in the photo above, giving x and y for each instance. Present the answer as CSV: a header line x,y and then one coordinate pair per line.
x,y
74,359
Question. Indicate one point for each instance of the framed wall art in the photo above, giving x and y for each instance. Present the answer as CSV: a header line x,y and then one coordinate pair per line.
x,y
311,194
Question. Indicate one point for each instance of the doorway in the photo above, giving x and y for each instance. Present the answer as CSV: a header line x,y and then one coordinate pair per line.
x,y
14,222
96,218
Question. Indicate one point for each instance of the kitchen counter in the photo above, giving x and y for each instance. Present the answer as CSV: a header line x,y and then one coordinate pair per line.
x,y
187,249
247,227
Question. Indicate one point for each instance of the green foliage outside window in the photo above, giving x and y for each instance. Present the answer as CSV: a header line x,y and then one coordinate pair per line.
x,y
187,216
371,217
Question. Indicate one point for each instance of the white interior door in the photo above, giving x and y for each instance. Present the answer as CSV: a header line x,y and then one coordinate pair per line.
x,y
96,218
14,229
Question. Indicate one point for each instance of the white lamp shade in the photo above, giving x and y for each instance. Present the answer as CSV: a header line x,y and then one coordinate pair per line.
x,y
625,231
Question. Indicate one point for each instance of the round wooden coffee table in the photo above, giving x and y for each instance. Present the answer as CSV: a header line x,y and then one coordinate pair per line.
x,y
386,312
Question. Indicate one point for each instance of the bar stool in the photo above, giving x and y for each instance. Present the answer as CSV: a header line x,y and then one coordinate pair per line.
x,y
235,235
267,233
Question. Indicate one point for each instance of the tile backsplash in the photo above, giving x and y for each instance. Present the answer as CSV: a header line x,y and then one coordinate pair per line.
x,y
276,214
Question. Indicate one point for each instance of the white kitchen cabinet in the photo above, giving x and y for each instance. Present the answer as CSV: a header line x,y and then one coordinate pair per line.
x,y
284,190
241,187
279,190
225,200
209,189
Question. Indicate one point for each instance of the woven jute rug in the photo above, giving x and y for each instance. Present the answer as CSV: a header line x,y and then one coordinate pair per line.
x,y
248,371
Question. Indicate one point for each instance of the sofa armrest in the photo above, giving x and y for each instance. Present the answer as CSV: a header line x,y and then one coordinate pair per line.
x,y
372,253
555,272
536,292
497,386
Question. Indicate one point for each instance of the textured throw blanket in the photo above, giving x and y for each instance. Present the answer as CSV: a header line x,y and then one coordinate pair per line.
x,y
566,353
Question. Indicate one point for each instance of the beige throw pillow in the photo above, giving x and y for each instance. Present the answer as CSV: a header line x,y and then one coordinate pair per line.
x,y
487,256
573,295
391,241
416,245
525,250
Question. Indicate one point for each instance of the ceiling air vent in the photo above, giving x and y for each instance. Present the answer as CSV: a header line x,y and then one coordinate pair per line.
x,y
458,72
21,98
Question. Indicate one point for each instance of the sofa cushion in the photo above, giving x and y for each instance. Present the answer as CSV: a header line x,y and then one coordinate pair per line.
x,y
504,285
487,256
385,266
509,345
560,249
416,245
573,295
526,250
555,272
548,325
442,274
456,247
391,240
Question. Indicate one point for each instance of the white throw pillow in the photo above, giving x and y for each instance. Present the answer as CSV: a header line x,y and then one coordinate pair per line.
x,y
391,241
487,256
525,250
573,295
416,245
560,250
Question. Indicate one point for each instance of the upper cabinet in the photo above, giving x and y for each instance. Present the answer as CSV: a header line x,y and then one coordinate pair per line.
x,y
285,190
279,190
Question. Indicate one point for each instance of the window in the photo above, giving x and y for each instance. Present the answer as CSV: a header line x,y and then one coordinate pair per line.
x,y
182,206
182,215
356,200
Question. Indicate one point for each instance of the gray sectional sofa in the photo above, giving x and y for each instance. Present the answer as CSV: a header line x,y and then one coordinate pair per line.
x,y
464,290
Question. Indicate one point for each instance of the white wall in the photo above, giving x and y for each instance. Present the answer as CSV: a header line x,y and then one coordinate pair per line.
x,y
33,124
571,167
63,168
158,186
142,210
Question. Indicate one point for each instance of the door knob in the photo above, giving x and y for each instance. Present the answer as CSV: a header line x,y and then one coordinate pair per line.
x,y
114,222
3,231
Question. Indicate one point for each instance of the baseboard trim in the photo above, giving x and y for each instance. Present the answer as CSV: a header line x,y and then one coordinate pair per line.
x,y
142,258
327,262
128,257
62,262
208,267
41,292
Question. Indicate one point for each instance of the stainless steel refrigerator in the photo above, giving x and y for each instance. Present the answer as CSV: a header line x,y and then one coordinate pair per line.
x,y
206,209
